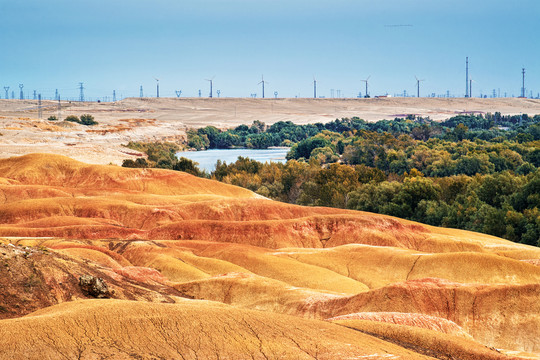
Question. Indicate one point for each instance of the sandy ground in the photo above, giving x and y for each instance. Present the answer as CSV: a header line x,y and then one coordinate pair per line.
x,y
166,119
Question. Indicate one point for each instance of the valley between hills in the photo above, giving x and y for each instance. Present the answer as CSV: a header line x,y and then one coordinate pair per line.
x,y
105,262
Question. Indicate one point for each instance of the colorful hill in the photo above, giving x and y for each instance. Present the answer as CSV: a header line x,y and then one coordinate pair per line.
x,y
263,279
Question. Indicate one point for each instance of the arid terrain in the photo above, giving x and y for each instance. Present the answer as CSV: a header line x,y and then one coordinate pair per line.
x,y
181,267
166,119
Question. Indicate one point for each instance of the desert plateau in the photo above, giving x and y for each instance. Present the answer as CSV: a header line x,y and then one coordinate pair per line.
x,y
167,119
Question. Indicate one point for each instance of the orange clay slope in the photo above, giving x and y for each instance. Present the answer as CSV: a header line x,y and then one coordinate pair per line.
x,y
157,235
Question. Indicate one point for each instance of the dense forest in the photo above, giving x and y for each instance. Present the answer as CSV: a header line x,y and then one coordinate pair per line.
x,y
477,173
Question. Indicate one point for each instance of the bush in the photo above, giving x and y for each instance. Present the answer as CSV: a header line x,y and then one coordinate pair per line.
x,y
85,119
73,118
52,118
138,163
88,120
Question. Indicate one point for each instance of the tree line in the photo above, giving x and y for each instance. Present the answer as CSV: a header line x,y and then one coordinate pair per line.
x,y
473,172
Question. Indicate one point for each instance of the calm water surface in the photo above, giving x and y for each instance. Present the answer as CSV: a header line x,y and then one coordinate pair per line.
x,y
207,159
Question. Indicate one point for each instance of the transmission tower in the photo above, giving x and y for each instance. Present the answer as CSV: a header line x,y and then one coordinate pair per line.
x,y
59,108
275,94
178,93
200,93
157,87
56,96
218,93
332,93
81,94
21,95
141,95
35,94
6,88
114,95
314,88
13,94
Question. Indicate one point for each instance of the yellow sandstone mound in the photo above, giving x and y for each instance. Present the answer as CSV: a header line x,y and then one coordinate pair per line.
x,y
188,330
264,278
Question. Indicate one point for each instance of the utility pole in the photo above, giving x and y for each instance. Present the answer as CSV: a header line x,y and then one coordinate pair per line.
x,y
418,87
262,82
467,94
366,81
211,83
523,86
40,110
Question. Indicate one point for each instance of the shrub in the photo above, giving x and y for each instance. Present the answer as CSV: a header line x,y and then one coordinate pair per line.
x,y
88,120
73,118
52,118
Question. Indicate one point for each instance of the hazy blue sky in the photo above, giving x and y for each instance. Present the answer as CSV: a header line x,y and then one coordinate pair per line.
x,y
121,44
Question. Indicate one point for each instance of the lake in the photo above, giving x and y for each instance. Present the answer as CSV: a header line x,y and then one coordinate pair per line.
x,y
207,159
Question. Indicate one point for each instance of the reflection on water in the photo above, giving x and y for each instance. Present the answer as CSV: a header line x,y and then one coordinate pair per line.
x,y
207,159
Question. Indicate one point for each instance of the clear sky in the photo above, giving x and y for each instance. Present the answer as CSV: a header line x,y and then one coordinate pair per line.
x,y
123,44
